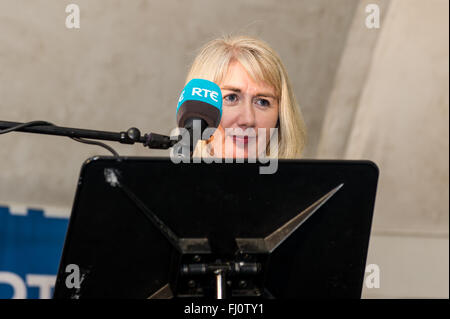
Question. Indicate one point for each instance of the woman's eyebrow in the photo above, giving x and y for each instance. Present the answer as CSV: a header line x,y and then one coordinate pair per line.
x,y
237,90
231,88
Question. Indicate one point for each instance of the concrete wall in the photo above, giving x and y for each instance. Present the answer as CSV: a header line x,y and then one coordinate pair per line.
x,y
409,82
390,104
379,94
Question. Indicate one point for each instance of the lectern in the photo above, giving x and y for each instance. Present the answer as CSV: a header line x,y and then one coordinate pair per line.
x,y
149,228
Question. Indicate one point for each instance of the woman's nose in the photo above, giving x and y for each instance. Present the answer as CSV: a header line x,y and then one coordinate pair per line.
x,y
246,117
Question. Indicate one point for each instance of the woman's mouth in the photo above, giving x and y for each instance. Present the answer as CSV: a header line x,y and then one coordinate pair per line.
x,y
242,139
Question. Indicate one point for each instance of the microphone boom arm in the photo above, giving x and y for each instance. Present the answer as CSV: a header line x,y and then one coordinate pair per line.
x,y
131,136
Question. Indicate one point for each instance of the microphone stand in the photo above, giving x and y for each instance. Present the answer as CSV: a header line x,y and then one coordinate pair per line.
x,y
131,136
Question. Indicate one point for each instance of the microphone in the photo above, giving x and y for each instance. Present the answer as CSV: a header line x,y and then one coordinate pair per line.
x,y
199,107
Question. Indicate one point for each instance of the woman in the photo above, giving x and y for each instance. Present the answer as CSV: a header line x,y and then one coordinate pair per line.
x,y
257,98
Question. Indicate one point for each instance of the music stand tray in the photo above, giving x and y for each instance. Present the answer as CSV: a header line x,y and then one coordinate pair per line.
x,y
148,228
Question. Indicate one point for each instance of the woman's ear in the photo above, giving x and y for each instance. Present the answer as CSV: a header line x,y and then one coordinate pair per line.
x,y
211,138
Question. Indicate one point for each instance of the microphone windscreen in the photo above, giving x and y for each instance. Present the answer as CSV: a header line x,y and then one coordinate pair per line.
x,y
201,99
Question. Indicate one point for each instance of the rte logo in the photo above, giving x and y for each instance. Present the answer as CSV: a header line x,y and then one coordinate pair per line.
x,y
212,94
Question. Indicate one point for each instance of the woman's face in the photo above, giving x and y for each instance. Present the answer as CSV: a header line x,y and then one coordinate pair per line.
x,y
247,107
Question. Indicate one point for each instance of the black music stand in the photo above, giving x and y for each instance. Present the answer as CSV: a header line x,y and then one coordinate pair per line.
x,y
149,228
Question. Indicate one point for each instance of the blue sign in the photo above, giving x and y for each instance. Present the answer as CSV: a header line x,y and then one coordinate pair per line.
x,y
30,249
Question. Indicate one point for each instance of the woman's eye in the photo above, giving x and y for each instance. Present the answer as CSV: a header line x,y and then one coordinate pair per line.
x,y
262,102
232,98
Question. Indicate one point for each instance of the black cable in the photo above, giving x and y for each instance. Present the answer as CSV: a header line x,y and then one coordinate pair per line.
x,y
78,139
109,148
28,124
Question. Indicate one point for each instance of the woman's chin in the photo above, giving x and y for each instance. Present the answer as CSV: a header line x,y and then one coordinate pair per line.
x,y
245,153
238,150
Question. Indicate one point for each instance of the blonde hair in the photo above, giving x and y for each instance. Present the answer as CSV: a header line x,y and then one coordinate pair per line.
x,y
263,64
